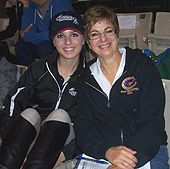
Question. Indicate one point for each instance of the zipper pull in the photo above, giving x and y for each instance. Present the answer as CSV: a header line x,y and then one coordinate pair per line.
x,y
121,135
108,103
59,96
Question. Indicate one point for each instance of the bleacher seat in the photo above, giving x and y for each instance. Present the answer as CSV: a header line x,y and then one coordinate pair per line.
x,y
134,28
159,41
20,71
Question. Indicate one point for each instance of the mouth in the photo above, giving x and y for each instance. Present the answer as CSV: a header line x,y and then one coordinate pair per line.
x,y
104,46
68,49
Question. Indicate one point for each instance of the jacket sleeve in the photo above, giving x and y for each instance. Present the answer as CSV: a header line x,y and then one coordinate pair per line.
x,y
17,100
150,123
91,143
12,27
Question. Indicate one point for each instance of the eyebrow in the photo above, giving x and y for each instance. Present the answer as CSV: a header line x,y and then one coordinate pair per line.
x,y
98,31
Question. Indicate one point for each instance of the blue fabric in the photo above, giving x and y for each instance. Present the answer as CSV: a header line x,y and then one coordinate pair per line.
x,y
40,29
160,161
27,52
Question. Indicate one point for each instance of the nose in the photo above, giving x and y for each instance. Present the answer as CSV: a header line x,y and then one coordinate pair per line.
x,y
103,37
67,40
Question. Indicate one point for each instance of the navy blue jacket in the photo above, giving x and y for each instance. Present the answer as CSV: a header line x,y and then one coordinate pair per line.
x,y
132,115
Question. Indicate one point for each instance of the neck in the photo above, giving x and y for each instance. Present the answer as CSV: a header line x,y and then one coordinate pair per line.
x,y
67,67
110,66
43,7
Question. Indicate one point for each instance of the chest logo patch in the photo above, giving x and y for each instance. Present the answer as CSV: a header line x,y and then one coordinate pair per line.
x,y
72,91
129,85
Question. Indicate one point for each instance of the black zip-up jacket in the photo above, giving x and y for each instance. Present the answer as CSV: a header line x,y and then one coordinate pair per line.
x,y
38,88
132,115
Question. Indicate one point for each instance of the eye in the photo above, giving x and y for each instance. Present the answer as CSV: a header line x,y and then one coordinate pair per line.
x,y
94,34
109,30
74,34
60,36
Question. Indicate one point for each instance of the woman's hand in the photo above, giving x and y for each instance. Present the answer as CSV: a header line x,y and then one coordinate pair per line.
x,y
113,167
122,157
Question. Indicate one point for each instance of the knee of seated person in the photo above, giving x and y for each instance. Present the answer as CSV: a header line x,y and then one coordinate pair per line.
x,y
33,117
18,45
59,115
44,48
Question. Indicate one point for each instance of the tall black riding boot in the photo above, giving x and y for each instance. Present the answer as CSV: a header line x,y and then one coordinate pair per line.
x,y
16,144
48,146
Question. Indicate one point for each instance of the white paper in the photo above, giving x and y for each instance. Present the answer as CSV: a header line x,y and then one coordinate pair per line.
x,y
146,166
127,22
85,164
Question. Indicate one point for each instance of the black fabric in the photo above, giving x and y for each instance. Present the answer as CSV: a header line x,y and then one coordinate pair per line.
x,y
14,22
64,21
15,145
38,88
134,112
48,146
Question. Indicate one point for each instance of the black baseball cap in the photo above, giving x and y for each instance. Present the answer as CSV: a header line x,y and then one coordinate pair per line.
x,y
66,20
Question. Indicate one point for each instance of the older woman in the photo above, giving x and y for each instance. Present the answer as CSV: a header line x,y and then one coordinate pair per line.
x,y
45,96
121,111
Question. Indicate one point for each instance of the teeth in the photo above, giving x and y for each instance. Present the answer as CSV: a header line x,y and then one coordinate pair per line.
x,y
104,46
68,49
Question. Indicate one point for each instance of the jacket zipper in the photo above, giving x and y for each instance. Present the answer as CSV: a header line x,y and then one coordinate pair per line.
x,y
108,105
121,136
60,91
60,96
108,100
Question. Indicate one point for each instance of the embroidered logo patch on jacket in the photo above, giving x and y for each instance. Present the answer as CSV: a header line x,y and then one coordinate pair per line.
x,y
72,91
129,85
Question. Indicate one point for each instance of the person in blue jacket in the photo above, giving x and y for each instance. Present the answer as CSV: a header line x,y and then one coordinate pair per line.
x,y
122,99
35,42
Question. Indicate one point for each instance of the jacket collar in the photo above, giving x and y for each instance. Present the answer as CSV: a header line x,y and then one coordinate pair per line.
x,y
52,62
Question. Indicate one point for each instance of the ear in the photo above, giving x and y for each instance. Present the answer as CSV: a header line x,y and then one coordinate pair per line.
x,y
54,42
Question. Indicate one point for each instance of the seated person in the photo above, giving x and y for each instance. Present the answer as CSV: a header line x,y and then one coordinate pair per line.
x,y
122,99
15,14
45,95
35,42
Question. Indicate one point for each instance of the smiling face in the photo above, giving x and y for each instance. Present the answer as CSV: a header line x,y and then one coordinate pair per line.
x,y
69,44
107,44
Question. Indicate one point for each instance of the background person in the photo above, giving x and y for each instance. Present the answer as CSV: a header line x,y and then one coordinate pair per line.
x,y
45,94
36,43
15,14
121,109
14,11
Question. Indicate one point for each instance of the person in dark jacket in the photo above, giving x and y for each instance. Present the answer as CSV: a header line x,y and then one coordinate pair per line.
x,y
15,13
45,95
121,111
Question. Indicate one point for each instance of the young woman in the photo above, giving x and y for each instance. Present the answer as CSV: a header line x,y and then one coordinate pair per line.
x,y
45,96
121,111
